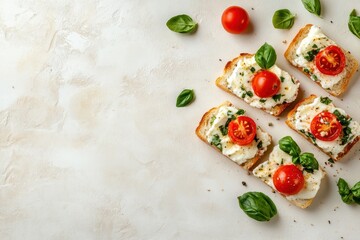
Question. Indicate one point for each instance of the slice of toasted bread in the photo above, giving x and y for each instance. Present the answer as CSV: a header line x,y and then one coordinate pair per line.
x,y
291,122
222,83
350,67
205,124
266,170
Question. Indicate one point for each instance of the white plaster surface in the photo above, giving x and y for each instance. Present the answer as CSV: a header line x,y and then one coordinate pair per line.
x,y
93,147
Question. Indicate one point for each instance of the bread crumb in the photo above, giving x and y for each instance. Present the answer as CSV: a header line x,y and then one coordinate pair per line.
x,y
270,124
284,42
244,183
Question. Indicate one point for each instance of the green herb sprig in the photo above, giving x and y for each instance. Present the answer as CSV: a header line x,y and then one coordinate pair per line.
x,y
182,24
257,206
265,56
354,23
186,97
313,6
283,19
306,160
349,195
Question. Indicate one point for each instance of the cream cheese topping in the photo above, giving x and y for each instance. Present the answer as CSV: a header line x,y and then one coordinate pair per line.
x,y
266,170
304,115
240,80
316,38
237,153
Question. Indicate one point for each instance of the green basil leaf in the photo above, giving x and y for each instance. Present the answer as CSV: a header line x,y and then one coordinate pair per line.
x,y
348,199
265,56
309,162
325,100
185,98
354,23
257,206
313,6
283,19
343,187
357,200
288,145
356,190
181,24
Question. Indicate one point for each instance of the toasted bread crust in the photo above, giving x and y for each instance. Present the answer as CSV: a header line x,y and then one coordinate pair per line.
x,y
291,123
351,63
222,83
203,127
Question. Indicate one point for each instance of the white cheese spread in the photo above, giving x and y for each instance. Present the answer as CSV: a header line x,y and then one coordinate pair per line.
x,y
266,170
240,83
238,154
315,40
304,115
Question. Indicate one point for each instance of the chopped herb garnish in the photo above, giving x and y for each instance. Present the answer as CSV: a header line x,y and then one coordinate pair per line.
x,y
259,145
252,69
306,70
314,77
240,112
216,141
345,122
277,97
262,100
292,80
223,130
314,46
325,100
309,135
249,93
282,79
212,119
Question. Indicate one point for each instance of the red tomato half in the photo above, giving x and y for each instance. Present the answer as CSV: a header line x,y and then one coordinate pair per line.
x,y
331,60
288,179
265,84
242,130
235,19
325,126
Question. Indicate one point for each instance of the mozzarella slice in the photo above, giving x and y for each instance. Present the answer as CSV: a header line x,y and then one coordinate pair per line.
x,y
238,154
316,40
306,112
266,170
239,82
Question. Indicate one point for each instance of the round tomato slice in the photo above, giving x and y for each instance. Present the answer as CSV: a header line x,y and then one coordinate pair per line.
x,y
242,130
288,179
331,60
235,19
265,84
325,126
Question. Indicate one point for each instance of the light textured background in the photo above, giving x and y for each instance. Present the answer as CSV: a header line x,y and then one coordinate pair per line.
x,y
93,147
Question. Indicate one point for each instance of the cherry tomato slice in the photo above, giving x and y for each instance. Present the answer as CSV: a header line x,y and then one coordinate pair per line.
x,y
325,126
331,60
265,84
288,179
242,130
235,19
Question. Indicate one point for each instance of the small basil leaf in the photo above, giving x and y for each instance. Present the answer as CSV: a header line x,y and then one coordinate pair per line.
x,y
343,187
313,6
265,56
309,162
185,98
181,24
356,190
357,200
348,199
288,145
325,100
354,23
283,19
257,206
